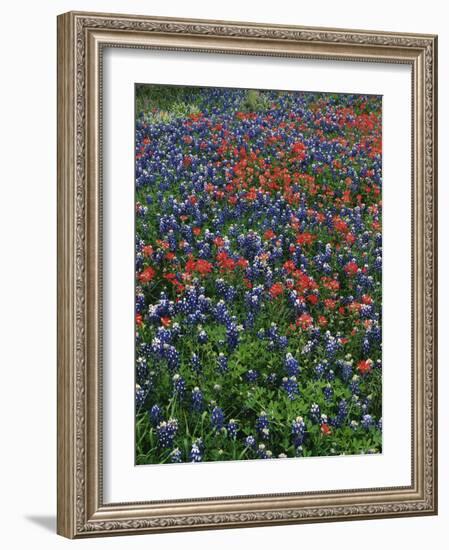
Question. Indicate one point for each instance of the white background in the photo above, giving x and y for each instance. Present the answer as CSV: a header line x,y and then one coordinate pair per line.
x,y
123,482
28,272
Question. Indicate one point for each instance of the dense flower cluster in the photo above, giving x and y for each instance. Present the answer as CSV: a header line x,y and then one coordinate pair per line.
x,y
258,276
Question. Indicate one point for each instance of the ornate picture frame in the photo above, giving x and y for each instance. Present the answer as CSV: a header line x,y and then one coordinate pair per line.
x,y
82,38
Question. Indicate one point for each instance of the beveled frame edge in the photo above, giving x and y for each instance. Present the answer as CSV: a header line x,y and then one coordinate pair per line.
x,y
80,509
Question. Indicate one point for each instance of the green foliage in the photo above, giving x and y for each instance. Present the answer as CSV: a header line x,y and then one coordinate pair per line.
x,y
165,103
255,101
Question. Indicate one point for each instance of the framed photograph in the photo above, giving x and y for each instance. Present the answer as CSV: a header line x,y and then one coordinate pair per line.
x,y
247,274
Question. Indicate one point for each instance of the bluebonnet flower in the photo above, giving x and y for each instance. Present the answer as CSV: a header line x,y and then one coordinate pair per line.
x,y
342,412
217,418
328,392
155,414
325,427
354,386
196,363
232,335
140,301
367,421
197,399
273,332
263,452
308,348
366,311
251,376
250,441
222,363
157,347
172,356
166,432
282,342
263,425
232,428
172,240
315,413
140,396
225,290
176,330
366,346
298,431
329,375
202,337
141,210
164,335
253,302
290,385
345,369
179,385
221,312
195,454
332,344
291,365
176,455
320,369
221,287
141,369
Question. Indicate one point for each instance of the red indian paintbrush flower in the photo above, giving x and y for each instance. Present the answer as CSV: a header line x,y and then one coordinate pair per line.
x,y
365,366
305,238
299,150
203,267
325,429
147,275
276,290
351,268
225,262
304,321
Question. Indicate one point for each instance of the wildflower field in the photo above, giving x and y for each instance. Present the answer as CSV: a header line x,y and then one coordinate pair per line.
x,y
258,274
